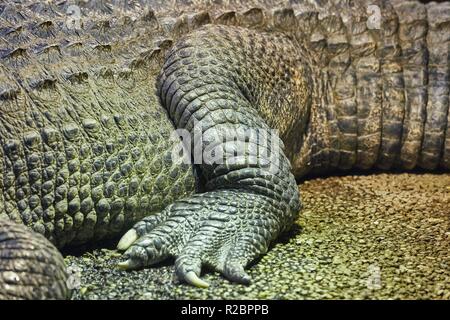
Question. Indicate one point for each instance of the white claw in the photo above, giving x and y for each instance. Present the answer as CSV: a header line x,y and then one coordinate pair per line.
x,y
194,280
124,265
127,240
128,265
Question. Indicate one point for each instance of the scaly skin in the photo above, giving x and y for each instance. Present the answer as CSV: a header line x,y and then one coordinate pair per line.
x,y
86,147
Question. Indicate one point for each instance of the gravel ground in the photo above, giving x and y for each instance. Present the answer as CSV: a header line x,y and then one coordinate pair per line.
x,y
382,236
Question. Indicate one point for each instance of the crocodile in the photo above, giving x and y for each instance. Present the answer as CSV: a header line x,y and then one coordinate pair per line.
x,y
265,91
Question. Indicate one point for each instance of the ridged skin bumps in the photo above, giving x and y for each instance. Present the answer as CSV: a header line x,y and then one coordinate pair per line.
x,y
383,93
88,109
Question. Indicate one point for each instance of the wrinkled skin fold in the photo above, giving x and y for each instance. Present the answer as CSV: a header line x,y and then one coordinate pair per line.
x,y
89,107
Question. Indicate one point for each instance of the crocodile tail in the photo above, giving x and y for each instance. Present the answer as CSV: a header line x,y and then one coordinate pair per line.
x,y
435,150
383,85
30,266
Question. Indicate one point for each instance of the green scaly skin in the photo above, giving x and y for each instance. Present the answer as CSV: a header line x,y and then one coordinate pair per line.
x,y
87,114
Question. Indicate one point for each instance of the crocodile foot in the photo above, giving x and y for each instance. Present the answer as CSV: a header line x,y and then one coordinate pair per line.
x,y
224,230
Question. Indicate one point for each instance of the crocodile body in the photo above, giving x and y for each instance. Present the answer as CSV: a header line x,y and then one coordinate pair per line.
x,y
89,101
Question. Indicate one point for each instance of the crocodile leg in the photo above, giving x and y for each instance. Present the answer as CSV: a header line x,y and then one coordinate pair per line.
x,y
251,196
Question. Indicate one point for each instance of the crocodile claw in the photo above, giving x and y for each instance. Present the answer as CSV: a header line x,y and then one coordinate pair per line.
x,y
129,264
194,280
127,240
